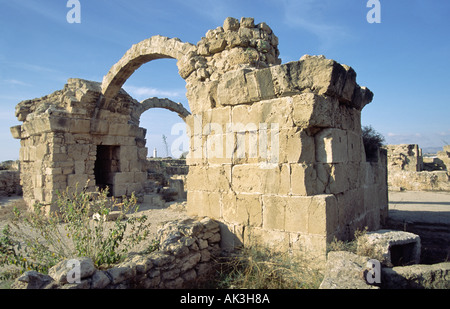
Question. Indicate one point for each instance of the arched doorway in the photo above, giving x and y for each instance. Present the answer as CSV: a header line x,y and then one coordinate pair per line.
x,y
156,47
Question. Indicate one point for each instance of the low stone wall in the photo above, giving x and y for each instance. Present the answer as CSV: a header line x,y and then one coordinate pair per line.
x,y
184,259
10,183
419,181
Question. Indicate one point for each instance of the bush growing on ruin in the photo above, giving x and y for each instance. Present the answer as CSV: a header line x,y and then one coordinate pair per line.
x,y
81,227
372,142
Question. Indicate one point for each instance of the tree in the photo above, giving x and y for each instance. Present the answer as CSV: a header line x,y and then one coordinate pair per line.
x,y
372,142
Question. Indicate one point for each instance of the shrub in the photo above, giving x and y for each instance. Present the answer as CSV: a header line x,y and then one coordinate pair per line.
x,y
80,227
372,142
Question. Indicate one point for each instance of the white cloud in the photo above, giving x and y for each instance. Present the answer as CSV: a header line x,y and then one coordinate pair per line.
x,y
27,67
142,93
431,139
16,82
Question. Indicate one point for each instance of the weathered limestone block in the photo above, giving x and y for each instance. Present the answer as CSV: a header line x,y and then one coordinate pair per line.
x,y
276,240
264,113
251,178
355,147
345,270
434,276
202,95
231,24
314,246
391,248
376,202
16,131
209,178
63,269
313,215
247,22
311,110
260,83
80,126
297,145
303,178
232,90
205,203
333,177
350,206
320,75
331,146
242,208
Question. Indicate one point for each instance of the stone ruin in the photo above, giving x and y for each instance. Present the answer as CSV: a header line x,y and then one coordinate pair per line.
x,y
276,153
408,169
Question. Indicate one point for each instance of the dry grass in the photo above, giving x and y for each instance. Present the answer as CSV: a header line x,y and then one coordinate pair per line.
x,y
257,267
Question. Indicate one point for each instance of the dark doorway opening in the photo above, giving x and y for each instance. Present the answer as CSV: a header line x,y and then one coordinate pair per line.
x,y
402,255
106,165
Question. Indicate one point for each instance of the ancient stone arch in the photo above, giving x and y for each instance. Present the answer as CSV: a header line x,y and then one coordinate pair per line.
x,y
276,152
156,47
163,103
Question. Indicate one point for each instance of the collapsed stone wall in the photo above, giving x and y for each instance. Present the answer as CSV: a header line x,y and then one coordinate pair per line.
x,y
68,141
409,170
167,177
439,162
10,183
185,258
405,157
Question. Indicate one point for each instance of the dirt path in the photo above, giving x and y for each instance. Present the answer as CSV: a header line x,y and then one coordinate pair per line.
x,y
420,207
426,214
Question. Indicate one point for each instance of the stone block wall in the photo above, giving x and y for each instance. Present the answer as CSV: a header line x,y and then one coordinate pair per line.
x,y
67,140
277,154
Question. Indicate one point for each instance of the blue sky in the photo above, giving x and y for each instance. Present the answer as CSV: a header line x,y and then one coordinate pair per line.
x,y
404,59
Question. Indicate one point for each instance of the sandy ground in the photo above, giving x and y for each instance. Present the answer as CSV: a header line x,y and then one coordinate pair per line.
x,y
156,215
426,214
420,207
